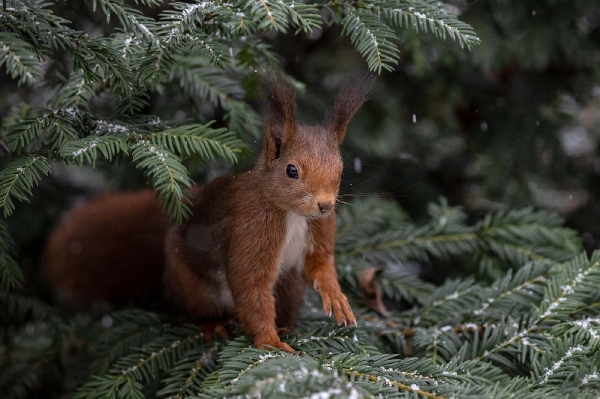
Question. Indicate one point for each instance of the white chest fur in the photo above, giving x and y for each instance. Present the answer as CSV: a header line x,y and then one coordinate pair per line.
x,y
295,243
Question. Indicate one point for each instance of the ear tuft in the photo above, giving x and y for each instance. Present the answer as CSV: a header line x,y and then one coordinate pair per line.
x,y
278,110
354,92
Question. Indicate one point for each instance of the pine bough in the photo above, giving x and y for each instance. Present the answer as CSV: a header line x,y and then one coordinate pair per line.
x,y
526,325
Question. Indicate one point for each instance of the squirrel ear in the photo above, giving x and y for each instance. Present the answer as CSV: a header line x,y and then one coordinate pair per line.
x,y
278,110
354,92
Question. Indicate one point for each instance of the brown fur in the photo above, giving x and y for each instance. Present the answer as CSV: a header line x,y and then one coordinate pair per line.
x,y
110,249
225,261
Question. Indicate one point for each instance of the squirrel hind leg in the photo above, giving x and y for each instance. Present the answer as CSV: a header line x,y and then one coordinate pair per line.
x,y
218,327
200,295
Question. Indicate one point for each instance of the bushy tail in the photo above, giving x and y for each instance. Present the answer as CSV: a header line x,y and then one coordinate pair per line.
x,y
110,249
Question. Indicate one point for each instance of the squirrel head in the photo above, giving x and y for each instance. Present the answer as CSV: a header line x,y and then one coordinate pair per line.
x,y
302,165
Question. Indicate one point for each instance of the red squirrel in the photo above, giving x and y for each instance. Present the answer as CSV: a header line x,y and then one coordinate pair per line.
x,y
252,243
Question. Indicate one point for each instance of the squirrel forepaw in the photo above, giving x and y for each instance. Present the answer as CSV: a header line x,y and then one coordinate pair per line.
x,y
338,303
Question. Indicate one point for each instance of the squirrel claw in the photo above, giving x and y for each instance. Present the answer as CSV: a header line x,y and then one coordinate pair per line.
x,y
286,348
341,309
269,344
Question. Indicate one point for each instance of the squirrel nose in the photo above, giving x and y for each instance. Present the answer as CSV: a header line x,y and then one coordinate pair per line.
x,y
325,207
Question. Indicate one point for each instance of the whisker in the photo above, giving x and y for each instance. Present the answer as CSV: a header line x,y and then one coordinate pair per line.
x,y
352,181
339,201
390,193
350,167
364,212
366,181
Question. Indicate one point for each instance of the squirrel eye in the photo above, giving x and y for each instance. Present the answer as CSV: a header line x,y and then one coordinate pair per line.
x,y
291,171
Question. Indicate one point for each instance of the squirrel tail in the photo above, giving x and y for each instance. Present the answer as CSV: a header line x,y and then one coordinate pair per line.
x,y
108,250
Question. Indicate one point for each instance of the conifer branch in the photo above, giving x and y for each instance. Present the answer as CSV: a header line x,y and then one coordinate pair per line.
x,y
513,238
169,177
201,140
427,14
88,148
53,126
10,272
414,388
372,38
19,58
131,330
18,179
